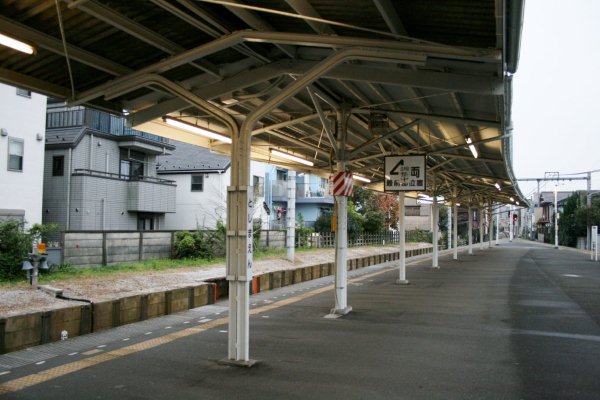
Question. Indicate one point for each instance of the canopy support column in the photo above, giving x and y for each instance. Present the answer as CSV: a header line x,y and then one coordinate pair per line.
x,y
454,230
291,214
435,218
470,229
341,233
498,225
490,223
402,239
481,225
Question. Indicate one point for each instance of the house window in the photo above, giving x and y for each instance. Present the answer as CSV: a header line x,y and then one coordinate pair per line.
x,y
281,175
147,222
258,182
58,165
197,183
15,154
412,211
24,92
132,164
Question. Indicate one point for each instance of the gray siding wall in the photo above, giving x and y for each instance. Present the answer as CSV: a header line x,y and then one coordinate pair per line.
x,y
103,149
54,205
100,200
150,197
81,154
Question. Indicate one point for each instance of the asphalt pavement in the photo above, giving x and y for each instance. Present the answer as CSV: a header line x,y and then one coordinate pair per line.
x,y
514,321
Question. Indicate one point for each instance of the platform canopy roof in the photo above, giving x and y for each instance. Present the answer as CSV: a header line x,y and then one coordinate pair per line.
x,y
416,76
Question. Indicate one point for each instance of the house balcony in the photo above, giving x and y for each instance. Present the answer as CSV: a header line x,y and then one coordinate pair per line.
x,y
139,193
305,193
67,117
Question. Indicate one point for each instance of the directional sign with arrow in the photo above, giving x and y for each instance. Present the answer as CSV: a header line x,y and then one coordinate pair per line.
x,y
405,173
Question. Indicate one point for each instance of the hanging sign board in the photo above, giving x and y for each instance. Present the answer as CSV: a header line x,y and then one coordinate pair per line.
x,y
405,173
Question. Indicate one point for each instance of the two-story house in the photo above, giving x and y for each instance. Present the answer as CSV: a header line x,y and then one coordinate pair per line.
x,y
22,117
312,197
101,175
202,178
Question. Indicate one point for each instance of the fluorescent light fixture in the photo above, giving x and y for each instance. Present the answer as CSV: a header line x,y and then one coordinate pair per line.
x,y
361,178
517,203
471,146
497,186
196,129
292,157
16,44
512,199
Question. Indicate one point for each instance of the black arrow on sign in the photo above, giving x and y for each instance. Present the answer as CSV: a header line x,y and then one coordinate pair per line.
x,y
393,171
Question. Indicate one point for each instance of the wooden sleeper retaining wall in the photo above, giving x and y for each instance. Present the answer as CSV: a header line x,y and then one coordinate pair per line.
x,y
23,331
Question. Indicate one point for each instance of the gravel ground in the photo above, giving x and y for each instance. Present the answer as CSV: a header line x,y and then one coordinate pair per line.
x,y
22,299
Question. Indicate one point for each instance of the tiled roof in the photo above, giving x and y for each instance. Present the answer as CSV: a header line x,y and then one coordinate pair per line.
x,y
187,157
64,136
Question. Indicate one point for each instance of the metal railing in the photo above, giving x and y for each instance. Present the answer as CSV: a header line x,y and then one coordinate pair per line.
x,y
102,174
303,190
98,120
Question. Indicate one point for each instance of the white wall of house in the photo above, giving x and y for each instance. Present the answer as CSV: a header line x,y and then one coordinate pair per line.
x,y
22,118
198,209
202,209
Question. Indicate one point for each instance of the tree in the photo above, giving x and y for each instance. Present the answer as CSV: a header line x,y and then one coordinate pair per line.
x,y
568,228
380,210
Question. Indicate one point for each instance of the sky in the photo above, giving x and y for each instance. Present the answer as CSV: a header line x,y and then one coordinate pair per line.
x,y
556,93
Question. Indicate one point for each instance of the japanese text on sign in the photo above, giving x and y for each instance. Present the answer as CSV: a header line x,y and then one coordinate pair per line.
x,y
405,173
250,216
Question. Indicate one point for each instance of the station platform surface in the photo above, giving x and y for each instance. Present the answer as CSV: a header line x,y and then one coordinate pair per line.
x,y
515,321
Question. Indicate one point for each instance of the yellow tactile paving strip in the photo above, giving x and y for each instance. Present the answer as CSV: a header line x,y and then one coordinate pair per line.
x,y
56,372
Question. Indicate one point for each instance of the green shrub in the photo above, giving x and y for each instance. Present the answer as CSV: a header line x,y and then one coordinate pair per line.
x,y
302,232
15,244
206,244
185,245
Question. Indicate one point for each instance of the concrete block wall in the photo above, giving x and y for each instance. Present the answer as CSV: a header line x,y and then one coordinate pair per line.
x,y
156,245
83,248
24,331
122,247
98,248
271,239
